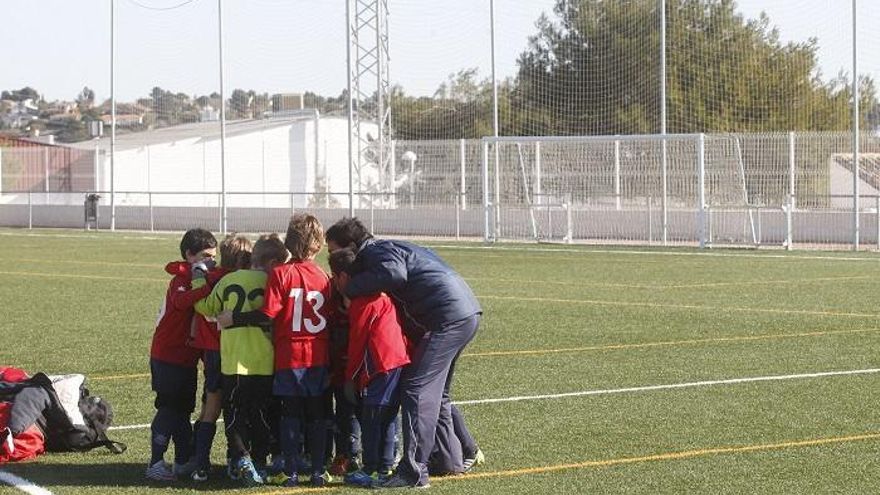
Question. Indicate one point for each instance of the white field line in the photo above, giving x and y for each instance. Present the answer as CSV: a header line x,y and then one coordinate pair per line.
x,y
670,386
22,484
648,388
526,249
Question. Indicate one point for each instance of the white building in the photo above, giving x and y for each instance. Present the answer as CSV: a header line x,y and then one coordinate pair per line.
x,y
298,160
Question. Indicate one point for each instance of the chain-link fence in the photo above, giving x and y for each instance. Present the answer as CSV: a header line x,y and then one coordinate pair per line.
x,y
181,107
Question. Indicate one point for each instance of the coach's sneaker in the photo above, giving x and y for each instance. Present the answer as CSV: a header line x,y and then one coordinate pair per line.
x,y
475,460
398,481
160,471
248,473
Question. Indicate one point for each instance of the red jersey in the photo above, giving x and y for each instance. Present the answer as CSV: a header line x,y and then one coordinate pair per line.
x,y
297,299
376,343
170,340
205,334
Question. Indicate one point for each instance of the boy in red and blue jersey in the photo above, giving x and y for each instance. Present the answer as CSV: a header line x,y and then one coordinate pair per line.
x,y
377,352
173,362
297,304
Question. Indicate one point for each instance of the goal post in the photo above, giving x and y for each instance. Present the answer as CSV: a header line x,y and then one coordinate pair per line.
x,y
604,187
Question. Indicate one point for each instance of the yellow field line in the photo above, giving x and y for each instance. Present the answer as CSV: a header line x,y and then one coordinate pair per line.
x,y
667,456
667,343
120,278
678,306
118,377
769,282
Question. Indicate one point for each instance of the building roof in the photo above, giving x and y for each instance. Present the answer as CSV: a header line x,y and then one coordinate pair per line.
x,y
200,131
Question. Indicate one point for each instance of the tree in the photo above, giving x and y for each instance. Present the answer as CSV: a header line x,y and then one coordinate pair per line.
x,y
594,69
22,94
85,99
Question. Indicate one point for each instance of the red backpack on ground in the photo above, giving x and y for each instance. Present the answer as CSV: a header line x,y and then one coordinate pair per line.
x,y
25,445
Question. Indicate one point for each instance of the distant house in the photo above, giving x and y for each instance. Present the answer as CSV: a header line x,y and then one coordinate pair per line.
x,y
124,120
20,113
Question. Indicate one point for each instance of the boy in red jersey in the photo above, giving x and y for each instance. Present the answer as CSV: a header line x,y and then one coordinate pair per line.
x,y
377,352
173,363
235,254
297,303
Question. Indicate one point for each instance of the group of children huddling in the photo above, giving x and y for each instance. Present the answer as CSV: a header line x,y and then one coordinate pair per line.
x,y
279,346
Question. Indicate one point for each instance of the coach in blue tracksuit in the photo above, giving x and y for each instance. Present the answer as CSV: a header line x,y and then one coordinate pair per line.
x,y
440,314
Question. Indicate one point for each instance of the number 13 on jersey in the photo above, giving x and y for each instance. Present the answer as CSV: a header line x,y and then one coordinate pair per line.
x,y
316,301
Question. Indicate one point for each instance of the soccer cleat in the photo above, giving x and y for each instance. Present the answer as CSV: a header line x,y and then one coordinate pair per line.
x,y
160,471
281,479
359,478
200,475
186,469
382,476
477,459
320,479
232,470
248,473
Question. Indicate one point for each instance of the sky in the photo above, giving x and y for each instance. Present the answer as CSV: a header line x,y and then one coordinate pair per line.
x,y
59,46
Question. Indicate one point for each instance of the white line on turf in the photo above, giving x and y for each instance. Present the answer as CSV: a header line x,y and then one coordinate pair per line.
x,y
22,484
648,388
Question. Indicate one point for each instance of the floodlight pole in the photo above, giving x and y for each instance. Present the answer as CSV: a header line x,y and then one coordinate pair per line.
x,y
496,199
222,121
112,115
855,131
350,103
663,116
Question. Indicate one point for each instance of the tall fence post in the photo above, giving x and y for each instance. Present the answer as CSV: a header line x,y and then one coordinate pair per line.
x,y
459,200
701,205
150,201
617,174
855,129
485,179
789,241
538,188
463,186
46,168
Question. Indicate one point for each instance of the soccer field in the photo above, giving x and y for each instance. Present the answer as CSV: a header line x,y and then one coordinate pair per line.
x,y
596,370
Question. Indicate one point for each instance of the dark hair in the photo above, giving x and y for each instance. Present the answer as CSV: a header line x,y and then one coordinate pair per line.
x,y
267,249
305,236
195,240
348,232
341,260
235,252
